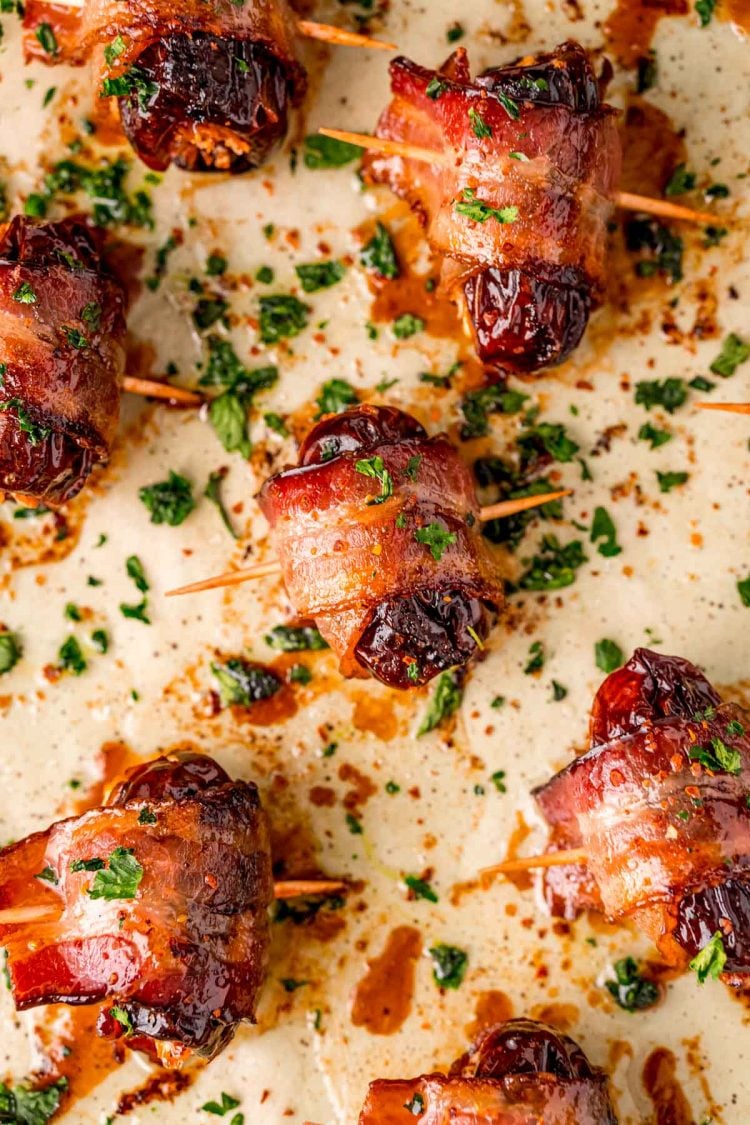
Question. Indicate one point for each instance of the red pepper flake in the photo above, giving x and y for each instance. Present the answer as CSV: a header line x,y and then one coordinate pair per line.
x,y
676,762
692,791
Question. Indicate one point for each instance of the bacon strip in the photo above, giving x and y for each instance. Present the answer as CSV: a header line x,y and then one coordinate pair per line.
x,y
343,552
210,83
533,142
62,329
507,1087
184,958
645,792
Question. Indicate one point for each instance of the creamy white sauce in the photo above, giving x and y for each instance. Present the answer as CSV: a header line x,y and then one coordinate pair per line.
x,y
685,594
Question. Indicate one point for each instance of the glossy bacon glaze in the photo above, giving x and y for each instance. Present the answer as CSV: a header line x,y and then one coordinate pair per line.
x,y
667,839
186,957
62,329
528,285
518,1073
378,596
212,83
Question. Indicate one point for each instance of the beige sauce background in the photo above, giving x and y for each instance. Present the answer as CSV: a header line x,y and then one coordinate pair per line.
x,y
676,583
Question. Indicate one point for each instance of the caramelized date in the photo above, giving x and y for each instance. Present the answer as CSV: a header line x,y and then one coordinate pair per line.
x,y
54,467
208,103
523,1047
523,322
176,778
357,431
726,909
427,632
563,79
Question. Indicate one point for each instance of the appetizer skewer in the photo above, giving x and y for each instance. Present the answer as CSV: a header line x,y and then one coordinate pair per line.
x,y
514,174
517,1073
652,823
157,901
727,407
208,87
62,360
377,532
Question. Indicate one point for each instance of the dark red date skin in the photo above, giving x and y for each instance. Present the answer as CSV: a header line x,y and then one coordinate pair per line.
x,y
523,1047
219,104
430,627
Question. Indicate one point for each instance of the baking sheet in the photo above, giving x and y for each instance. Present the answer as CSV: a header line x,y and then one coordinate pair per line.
x,y
673,586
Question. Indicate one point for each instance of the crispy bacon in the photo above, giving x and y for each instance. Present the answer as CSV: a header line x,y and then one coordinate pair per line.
x,y
386,601
62,329
533,142
207,86
181,955
518,1073
660,805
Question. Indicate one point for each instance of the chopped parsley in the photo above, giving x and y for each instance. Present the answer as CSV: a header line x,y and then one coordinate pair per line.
x,y
719,758
420,888
498,777
289,638
455,32
449,964
710,960
319,275
444,702
668,394
26,424
380,254
136,81
661,249
216,265
407,325
123,1019
228,411
71,658
335,396
509,105
145,816
629,989
327,152
436,538
114,49
608,655
705,10
374,467
549,438
24,294
554,567
653,435
135,571
435,88
219,1109
559,692
479,211
477,405
10,652
105,186
48,875
282,316
536,658
354,824
734,351
169,501
479,126
647,72
212,493
120,879
668,481
743,589
680,182
415,1105
22,1105
604,534
242,683
46,37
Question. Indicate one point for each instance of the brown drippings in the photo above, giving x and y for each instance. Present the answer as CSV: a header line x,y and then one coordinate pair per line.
x,y
164,1087
373,715
630,28
523,880
737,12
362,788
491,1007
663,1088
383,997
43,539
76,1052
562,1016
651,148
112,760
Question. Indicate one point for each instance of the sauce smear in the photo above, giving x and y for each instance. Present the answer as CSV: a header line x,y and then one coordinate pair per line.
x,y
662,1086
383,998
630,28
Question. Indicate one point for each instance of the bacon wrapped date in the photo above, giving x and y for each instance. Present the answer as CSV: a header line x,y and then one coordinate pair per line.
x,y
157,902
62,329
378,535
660,805
207,87
520,217
518,1073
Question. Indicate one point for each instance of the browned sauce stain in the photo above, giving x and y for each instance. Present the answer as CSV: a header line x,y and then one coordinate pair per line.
x,y
383,997
164,1087
562,1016
523,880
375,715
736,11
112,760
491,1007
660,1081
76,1051
362,788
43,539
630,27
651,148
